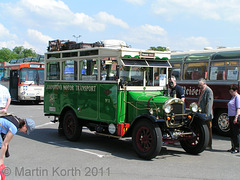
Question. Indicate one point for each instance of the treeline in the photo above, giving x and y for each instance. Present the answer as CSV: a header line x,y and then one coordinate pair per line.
x,y
17,53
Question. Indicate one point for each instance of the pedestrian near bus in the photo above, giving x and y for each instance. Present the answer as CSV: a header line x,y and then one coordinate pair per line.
x,y
205,102
234,115
5,99
176,89
9,125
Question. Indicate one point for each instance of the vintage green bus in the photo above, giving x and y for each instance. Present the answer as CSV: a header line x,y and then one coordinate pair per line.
x,y
120,92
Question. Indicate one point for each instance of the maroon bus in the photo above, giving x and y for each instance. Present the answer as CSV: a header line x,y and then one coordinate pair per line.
x,y
220,68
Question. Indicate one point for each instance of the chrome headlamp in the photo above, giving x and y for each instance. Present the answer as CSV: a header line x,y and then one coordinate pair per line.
x,y
167,108
193,107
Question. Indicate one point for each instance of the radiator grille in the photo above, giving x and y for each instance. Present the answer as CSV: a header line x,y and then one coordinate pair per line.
x,y
177,108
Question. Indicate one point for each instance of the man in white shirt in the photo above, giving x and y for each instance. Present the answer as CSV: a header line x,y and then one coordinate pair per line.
x,y
5,99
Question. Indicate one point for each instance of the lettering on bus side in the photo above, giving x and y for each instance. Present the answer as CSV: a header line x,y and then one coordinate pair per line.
x,y
86,88
71,88
191,91
54,87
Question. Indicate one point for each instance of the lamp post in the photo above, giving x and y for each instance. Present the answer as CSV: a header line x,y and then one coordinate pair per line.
x,y
77,37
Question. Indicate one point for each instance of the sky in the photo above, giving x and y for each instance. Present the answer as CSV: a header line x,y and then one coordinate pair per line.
x,y
180,25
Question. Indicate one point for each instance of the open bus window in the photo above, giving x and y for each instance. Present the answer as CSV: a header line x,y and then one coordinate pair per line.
x,y
89,70
69,70
195,71
53,71
156,76
108,69
132,76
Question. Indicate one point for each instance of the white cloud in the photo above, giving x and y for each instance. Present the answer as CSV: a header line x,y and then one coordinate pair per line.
x,y
38,36
110,19
137,2
146,36
154,29
8,44
57,15
190,43
5,33
207,9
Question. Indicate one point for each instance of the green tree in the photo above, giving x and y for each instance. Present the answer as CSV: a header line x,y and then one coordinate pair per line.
x,y
17,53
29,53
6,55
159,48
18,50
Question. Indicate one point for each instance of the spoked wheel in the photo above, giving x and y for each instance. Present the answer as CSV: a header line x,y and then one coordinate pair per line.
x,y
199,142
222,123
147,139
71,126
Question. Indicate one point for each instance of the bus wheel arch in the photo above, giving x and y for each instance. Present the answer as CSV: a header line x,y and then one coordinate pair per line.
x,y
72,127
146,138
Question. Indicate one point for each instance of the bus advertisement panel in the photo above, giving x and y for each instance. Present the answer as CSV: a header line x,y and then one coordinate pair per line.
x,y
119,92
220,68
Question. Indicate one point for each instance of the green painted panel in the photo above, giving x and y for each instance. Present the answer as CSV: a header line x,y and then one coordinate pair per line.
x,y
108,103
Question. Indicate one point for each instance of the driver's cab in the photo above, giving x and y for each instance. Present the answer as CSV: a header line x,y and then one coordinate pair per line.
x,y
144,74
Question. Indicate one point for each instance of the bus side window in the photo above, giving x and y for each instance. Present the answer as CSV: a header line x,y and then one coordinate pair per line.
x,y
195,71
177,73
53,71
89,70
69,70
108,70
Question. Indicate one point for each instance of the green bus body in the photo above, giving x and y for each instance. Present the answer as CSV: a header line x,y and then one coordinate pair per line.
x,y
120,92
99,102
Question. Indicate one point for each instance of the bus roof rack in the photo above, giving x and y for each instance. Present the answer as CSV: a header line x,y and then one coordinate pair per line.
x,y
60,45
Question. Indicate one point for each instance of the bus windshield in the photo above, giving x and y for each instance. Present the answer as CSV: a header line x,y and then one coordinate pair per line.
x,y
143,76
31,76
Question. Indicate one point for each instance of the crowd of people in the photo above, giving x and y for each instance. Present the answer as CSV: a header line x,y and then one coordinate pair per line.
x,y
205,103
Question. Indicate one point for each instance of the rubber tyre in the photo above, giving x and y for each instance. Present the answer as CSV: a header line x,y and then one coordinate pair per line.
x,y
147,139
221,123
198,143
71,126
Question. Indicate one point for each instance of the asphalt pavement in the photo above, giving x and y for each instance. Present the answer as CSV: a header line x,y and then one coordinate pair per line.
x,y
46,155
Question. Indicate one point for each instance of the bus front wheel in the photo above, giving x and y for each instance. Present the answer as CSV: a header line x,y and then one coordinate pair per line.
x,y
221,122
147,139
71,126
199,142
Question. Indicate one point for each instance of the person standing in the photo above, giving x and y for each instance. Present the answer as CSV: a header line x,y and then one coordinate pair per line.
x,y
5,99
176,89
233,114
205,102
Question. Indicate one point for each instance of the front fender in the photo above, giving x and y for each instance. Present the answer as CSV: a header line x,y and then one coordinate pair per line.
x,y
148,117
201,116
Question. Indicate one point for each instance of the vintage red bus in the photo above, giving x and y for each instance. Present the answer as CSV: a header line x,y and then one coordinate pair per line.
x,y
25,81
220,67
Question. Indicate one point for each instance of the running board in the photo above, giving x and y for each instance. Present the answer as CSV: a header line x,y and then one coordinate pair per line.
x,y
102,134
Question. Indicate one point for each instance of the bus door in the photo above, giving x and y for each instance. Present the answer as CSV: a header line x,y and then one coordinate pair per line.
x,y
13,84
108,90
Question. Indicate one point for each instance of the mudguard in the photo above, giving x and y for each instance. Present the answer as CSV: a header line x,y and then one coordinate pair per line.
x,y
201,116
153,119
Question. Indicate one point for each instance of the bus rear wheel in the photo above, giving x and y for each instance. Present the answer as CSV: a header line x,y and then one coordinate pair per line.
x,y
147,139
71,126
